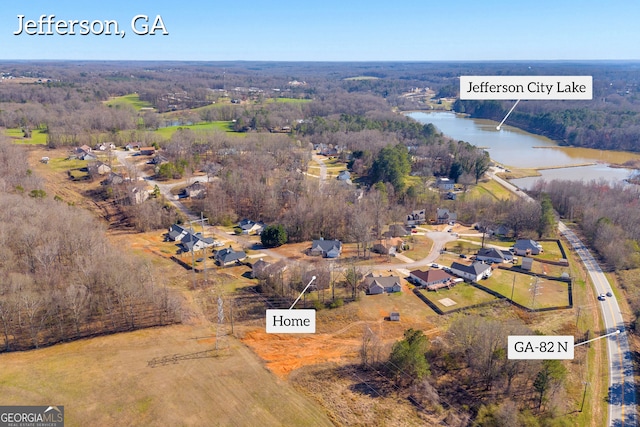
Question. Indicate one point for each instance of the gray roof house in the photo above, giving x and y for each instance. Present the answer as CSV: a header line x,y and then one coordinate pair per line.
x,y
195,242
494,255
378,285
177,232
326,248
228,256
444,216
527,247
474,272
250,227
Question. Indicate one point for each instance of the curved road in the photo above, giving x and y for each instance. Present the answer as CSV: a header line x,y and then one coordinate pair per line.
x,y
622,399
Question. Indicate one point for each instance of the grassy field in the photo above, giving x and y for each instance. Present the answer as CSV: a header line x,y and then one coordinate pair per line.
x,y
551,251
463,294
132,99
223,126
288,100
490,188
420,247
17,136
116,382
550,293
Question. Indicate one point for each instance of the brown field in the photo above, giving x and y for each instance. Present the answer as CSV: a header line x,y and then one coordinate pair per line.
x,y
110,381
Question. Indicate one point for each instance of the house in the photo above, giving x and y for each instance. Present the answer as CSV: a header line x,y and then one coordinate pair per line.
x,y
394,316
250,227
375,285
344,176
228,256
397,230
158,160
106,146
494,255
502,230
177,232
138,194
197,190
444,216
474,272
389,246
99,168
195,242
132,146
444,184
259,269
147,151
44,160
431,279
416,217
326,248
113,179
527,247
85,153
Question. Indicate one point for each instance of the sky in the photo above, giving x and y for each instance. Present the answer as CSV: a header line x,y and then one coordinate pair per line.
x,y
330,30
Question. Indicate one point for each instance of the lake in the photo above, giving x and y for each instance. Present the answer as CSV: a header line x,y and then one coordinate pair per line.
x,y
516,148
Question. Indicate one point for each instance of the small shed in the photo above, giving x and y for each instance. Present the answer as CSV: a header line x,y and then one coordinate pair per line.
x,y
394,316
527,263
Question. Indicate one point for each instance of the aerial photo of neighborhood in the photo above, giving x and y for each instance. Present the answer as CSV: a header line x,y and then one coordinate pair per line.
x,y
289,214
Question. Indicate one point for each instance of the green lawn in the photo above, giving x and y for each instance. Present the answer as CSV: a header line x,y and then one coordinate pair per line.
x,y
550,293
288,100
37,136
463,294
167,132
62,164
490,188
551,251
420,247
132,99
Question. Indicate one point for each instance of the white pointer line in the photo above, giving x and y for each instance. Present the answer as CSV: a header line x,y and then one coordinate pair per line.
x,y
303,291
604,336
505,117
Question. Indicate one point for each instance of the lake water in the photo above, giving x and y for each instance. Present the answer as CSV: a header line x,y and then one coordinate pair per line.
x,y
516,148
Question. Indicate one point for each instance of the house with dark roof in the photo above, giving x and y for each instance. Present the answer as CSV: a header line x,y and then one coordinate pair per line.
x,y
326,248
527,247
388,246
375,285
416,217
197,190
474,272
259,269
397,230
494,255
228,256
444,216
250,227
432,279
195,242
177,232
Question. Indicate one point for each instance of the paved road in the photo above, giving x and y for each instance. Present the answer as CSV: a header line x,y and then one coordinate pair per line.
x,y
621,398
622,402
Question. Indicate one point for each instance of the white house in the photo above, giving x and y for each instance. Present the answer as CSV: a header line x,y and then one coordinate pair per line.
x,y
474,272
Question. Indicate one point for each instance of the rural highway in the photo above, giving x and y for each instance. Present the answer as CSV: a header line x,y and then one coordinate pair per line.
x,y
622,402
621,396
